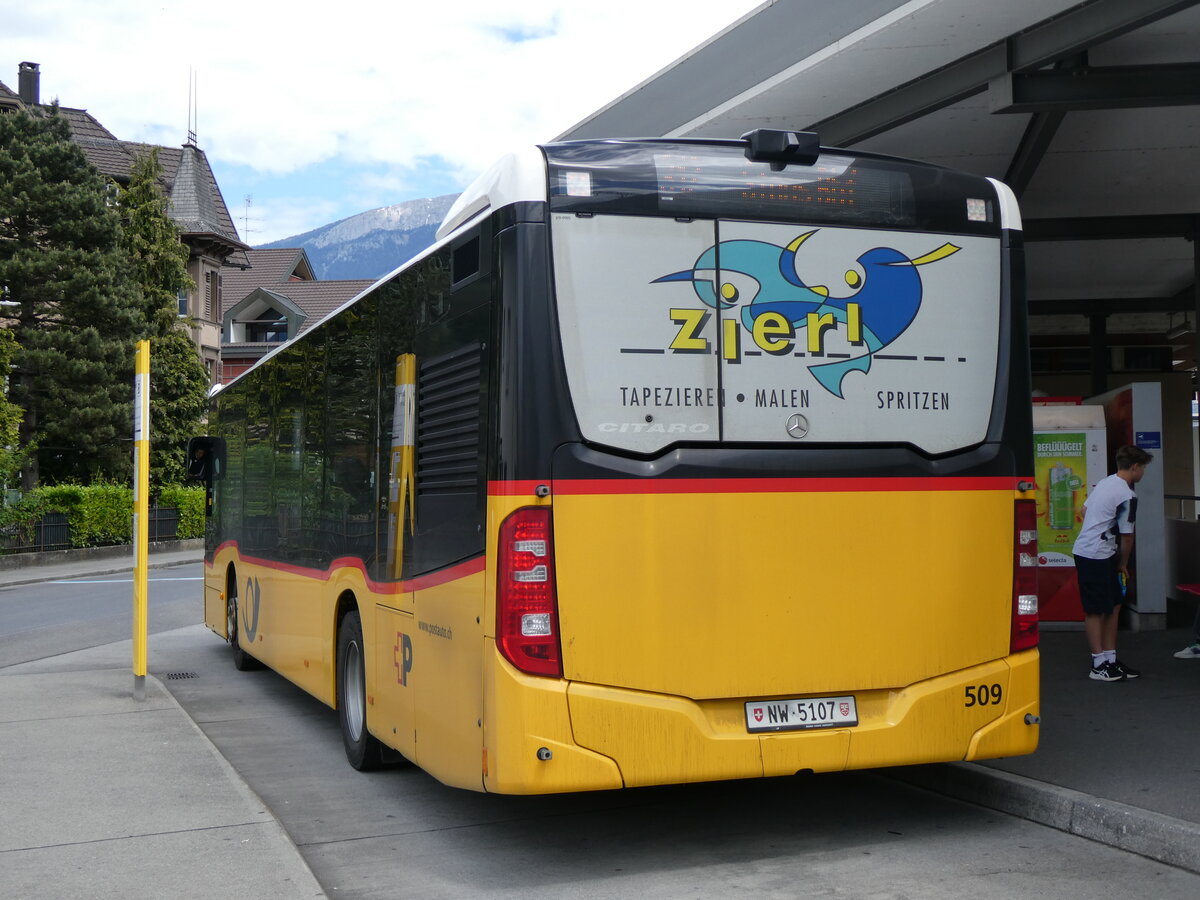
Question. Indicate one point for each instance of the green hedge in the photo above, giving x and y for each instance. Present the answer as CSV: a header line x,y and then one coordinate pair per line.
x,y
190,503
102,514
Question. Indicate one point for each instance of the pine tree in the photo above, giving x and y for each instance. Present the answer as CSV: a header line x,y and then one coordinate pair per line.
x,y
158,263
12,456
178,401
79,314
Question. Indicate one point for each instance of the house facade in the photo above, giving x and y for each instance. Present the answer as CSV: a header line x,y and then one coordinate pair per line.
x,y
276,298
194,203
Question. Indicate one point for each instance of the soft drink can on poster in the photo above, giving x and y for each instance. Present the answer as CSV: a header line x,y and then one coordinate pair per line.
x,y
1062,499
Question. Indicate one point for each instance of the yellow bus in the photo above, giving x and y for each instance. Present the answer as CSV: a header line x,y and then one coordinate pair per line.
x,y
670,461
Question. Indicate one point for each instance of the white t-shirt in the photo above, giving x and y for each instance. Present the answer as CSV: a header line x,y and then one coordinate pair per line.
x,y
1111,509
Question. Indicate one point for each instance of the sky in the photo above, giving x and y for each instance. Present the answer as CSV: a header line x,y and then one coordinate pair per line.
x,y
311,112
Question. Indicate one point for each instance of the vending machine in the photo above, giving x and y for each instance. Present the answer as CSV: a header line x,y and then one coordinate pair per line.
x,y
1069,450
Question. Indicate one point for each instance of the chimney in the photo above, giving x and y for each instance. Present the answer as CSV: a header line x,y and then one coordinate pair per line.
x,y
29,83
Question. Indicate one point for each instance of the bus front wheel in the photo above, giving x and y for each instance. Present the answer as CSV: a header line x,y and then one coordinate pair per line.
x,y
363,750
242,661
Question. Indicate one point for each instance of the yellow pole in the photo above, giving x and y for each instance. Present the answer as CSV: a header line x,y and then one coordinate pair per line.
x,y
403,474
141,513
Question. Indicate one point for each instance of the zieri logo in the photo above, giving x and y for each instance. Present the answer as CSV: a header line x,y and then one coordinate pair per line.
x,y
782,314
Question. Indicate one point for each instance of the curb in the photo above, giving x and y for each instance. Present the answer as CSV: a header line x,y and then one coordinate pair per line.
x,y
99,573
248,793
1150,834
25,575
13,561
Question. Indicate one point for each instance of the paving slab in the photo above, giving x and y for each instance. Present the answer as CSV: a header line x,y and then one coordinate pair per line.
x,y
108,796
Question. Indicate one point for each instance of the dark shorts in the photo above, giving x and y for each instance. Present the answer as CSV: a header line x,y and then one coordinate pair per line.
x,y
1099,584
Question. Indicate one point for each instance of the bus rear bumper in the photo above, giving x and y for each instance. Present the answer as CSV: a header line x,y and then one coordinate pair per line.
x,y
528,747
603,737
976,713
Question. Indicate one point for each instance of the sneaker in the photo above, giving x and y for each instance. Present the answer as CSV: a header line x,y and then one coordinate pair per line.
x,y
1107,672
1191,651
1125,670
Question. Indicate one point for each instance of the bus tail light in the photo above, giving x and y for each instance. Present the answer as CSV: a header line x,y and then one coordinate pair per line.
x,y
1025,568
526,599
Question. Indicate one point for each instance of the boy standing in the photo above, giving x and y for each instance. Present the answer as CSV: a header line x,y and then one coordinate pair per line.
x,y
1101,565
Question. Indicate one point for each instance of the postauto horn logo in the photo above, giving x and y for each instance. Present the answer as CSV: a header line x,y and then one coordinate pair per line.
x,y
883,300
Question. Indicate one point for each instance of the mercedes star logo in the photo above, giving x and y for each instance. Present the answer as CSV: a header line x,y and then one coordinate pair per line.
x,y
797,426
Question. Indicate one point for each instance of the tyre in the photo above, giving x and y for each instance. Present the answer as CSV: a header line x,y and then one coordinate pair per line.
x,y
362,750
242,661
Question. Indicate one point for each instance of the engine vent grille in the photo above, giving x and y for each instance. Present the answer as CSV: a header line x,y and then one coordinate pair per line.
x,y
448,422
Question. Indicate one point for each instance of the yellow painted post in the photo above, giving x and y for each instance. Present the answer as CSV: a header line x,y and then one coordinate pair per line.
x,y
141,514
402,495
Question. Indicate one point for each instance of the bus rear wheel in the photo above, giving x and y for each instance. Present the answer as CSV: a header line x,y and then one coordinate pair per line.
x,y
362,750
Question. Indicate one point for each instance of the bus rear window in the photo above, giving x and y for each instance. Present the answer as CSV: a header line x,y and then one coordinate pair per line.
x,y
694,331
718,181
691,184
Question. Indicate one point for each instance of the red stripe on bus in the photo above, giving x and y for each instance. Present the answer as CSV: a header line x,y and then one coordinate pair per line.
x,y
420,583
586,486
514,488
445,576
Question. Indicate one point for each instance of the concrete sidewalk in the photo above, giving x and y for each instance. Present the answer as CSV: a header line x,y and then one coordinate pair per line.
x,y
151,803
106,796
1118,762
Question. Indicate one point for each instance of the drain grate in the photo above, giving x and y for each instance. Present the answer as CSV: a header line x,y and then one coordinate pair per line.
x,y
176,676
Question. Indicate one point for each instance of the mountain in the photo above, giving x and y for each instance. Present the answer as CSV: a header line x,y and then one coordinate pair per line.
x,y
372,243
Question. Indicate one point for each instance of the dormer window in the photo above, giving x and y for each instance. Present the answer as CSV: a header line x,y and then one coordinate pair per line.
x,y
263,318
269,328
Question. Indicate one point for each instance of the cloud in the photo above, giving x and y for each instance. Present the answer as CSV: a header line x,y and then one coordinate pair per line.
x,y
375,84
282,88
289,216
520,34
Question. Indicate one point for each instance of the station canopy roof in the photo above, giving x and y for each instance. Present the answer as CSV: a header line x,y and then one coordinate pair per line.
x,y
1088,110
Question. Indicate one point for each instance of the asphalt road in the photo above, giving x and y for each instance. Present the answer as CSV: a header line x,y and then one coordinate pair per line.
x,y
45,619
400,833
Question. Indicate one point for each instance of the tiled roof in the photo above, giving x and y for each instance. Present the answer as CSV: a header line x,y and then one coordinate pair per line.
x,y
319,298
8,97
316,299
195,201
84,125
268,268
112,158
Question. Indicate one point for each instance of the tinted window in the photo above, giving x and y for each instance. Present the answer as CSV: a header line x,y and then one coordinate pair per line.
x,y
716,180
348,501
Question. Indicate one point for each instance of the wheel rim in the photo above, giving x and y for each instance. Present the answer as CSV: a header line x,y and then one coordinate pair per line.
x,y
354,690
231,619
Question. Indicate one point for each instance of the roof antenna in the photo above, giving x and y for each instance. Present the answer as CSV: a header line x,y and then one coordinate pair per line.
x,y
246,220
193,111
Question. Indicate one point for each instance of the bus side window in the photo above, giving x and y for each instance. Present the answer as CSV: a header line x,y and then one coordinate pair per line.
x,y
347,507
432,280
464,262
471,258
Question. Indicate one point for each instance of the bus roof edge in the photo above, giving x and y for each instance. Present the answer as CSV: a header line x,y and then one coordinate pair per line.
x,y
515,177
